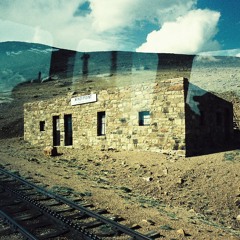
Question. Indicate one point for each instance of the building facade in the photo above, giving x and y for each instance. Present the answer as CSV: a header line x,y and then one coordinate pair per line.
x,y
157,117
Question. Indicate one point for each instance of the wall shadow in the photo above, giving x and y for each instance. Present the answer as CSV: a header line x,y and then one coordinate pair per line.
x,y
179,63
85,58
208,122
62,63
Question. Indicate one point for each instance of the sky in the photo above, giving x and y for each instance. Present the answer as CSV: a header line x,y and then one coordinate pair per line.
x,y
162,26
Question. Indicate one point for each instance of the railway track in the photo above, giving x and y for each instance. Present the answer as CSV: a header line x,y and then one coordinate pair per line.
x,y
36,213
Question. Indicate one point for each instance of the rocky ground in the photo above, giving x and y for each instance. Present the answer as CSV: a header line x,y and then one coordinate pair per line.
x,y
181,198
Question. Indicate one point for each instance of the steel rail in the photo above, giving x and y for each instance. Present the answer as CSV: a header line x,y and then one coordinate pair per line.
x,y
116,225
17,226
84,234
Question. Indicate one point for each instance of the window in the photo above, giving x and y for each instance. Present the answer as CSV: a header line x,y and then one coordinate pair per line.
x,y
101,123
144,118
42,126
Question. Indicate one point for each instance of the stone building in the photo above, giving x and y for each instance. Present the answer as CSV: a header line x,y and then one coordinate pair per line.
x,y
167,116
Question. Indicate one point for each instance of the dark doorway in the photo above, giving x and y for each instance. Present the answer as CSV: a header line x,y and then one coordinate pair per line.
x,y
68,129
56,131
62,63
85,58
113,69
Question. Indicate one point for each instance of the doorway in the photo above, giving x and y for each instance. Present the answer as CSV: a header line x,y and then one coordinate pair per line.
x,y
68,129
56,131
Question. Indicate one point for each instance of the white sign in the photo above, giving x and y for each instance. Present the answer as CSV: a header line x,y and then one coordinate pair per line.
x,y
84,99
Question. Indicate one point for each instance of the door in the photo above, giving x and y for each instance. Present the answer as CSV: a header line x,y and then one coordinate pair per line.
x,y
68,129
56,131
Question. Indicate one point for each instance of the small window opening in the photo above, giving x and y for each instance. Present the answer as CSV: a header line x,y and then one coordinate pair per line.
x,y
101,123
42,126
144,118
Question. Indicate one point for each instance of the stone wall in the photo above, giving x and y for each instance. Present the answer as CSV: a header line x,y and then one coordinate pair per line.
x,y
163,100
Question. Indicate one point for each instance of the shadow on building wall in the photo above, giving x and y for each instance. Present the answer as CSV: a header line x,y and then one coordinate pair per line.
x,y
62,63
178,62
68,63
208,122
85,58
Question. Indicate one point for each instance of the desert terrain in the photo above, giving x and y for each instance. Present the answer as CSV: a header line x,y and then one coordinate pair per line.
x,y
180,198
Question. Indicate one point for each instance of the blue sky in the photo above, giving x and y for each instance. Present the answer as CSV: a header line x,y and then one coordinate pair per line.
x,y
229,23
176,26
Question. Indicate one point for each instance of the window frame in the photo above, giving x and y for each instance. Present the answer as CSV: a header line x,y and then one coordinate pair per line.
x,y
101,123
144,118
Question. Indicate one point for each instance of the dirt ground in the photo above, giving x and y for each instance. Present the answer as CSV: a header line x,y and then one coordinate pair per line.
x,y
180,198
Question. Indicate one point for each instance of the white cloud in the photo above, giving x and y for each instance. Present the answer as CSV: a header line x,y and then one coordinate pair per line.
x,y
10,31
189,34
41,36
107,26
89,45
43,21
227,53
109,14
43,13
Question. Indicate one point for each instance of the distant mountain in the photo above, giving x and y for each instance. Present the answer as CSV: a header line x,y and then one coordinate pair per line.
x,y
20,62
